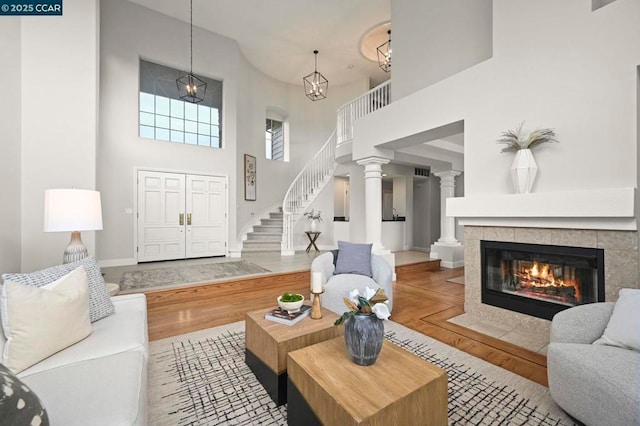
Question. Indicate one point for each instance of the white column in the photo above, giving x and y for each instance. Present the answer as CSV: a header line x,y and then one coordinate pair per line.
x,y
373,200
447,223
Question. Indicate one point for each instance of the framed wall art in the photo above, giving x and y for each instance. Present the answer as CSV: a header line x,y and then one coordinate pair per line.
x,y
249,178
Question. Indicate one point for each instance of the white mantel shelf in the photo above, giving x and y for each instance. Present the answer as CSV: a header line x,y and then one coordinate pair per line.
x,y
582,209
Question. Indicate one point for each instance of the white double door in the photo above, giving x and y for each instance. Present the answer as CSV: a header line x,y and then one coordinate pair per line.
x,y
180,216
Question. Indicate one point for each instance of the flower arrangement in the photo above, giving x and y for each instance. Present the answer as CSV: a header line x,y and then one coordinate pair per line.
x,y
373,301
516,140
312,215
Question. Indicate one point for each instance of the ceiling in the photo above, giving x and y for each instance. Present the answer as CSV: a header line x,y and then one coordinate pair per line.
x,y
278,37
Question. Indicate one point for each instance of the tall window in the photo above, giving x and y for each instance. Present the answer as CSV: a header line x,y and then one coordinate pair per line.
x,y
274,139
164,116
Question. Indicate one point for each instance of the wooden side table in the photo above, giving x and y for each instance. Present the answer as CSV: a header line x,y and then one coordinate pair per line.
x,y
313,236
326,387
268,343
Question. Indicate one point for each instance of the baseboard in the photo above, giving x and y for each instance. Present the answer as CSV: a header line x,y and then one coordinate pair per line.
x,y
452,265
422,249
235,253
109,263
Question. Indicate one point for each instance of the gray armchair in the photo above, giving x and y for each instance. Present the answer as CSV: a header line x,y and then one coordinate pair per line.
x,y
336,287
596,384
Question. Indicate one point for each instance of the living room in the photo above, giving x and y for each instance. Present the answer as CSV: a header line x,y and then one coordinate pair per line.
x,y
71,120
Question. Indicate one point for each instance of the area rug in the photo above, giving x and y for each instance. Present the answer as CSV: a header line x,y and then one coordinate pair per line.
x,y
143,279
201,379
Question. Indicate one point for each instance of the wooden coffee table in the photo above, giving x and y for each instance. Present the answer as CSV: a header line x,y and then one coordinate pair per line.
x,y
327,387
268,343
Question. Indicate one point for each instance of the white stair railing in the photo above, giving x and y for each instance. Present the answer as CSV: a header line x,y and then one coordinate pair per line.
x,y
374,99
305,188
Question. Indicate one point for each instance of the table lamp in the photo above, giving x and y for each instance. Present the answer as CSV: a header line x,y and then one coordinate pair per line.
x,y
72,210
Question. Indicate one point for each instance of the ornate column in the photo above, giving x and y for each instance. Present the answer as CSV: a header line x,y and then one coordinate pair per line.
x,y
448,249
447,223
373,200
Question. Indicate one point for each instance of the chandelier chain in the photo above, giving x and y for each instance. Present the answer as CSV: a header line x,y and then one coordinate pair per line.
x,y
191,33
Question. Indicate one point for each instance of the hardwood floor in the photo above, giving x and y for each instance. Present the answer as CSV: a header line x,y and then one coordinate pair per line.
x,y
423,301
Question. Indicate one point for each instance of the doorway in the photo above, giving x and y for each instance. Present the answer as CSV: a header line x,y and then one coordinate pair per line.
x,y
180,216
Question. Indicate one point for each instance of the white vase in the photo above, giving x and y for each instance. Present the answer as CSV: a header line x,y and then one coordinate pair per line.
x,y
314,225
523,171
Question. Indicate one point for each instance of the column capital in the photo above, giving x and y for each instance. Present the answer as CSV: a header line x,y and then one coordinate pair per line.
x,y
448,178
448,174
372,160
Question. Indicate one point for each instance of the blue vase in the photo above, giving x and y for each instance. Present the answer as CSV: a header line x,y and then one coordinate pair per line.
x,y
364,334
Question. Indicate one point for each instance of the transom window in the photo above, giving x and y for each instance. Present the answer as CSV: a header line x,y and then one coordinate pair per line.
x,y
164,116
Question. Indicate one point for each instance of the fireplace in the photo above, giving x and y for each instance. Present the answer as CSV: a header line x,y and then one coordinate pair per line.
x,y
540,280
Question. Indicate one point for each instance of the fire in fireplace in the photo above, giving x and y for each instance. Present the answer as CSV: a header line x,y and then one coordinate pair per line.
x,y
540,280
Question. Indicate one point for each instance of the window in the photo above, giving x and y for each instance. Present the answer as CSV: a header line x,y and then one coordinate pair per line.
x,y
274,139
164,116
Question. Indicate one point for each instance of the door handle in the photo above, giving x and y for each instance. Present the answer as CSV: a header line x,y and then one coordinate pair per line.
x,y
188,218
181,218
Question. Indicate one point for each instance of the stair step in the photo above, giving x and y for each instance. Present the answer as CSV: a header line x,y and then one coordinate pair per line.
x,y
274,222
269,236
261,246
268,228
277,215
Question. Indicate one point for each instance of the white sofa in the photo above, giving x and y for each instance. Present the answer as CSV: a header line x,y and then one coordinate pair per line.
x,y
102,379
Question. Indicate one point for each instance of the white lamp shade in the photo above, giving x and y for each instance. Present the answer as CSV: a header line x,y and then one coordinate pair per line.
x,y
72,210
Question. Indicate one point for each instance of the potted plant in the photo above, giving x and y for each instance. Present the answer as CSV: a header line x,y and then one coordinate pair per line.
x,y
524,167
363,327
315,218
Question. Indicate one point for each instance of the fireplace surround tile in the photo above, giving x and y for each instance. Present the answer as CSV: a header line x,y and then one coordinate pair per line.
x,y
620,240
494,233
621,265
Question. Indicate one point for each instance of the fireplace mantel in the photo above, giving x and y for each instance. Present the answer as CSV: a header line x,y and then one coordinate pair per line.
x,y
607,209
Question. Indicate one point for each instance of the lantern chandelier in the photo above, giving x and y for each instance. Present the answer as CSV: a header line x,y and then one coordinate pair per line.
x,y
190,87
315,85
384,54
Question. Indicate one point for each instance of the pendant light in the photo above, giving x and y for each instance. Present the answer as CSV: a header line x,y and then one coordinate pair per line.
x,y
315,85
190,87
384,54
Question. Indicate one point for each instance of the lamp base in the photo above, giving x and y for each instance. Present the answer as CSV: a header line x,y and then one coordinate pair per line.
x,y
75,250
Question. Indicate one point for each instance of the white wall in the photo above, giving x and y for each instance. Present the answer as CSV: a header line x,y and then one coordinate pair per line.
x,y
128,32
10,127
577,76
433,39
59,74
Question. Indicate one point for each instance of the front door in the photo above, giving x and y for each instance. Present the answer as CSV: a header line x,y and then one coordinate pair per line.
x,y
180,216
161,207
206,197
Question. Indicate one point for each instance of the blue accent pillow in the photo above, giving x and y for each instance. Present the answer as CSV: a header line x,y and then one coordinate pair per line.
x,y
353,259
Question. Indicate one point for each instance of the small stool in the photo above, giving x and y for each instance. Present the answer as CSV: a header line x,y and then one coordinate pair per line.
x,y
113,288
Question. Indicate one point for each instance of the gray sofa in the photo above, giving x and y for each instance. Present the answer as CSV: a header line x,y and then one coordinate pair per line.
x,y
337,287
596,384
102,379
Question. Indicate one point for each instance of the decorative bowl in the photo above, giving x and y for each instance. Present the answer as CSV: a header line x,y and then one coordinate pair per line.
x,y
291,307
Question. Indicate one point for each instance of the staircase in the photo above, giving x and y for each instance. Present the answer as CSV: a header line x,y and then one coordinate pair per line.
x,y
305,188
265,237
275,234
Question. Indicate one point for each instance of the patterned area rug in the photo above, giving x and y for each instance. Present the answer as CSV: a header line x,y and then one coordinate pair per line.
x,y
143,279
201,379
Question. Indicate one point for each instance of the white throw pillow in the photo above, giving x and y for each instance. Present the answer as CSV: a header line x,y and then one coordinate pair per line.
x,y
623,329
40,321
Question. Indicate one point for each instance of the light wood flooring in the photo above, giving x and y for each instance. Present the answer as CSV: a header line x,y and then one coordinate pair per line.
x,y
423,301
